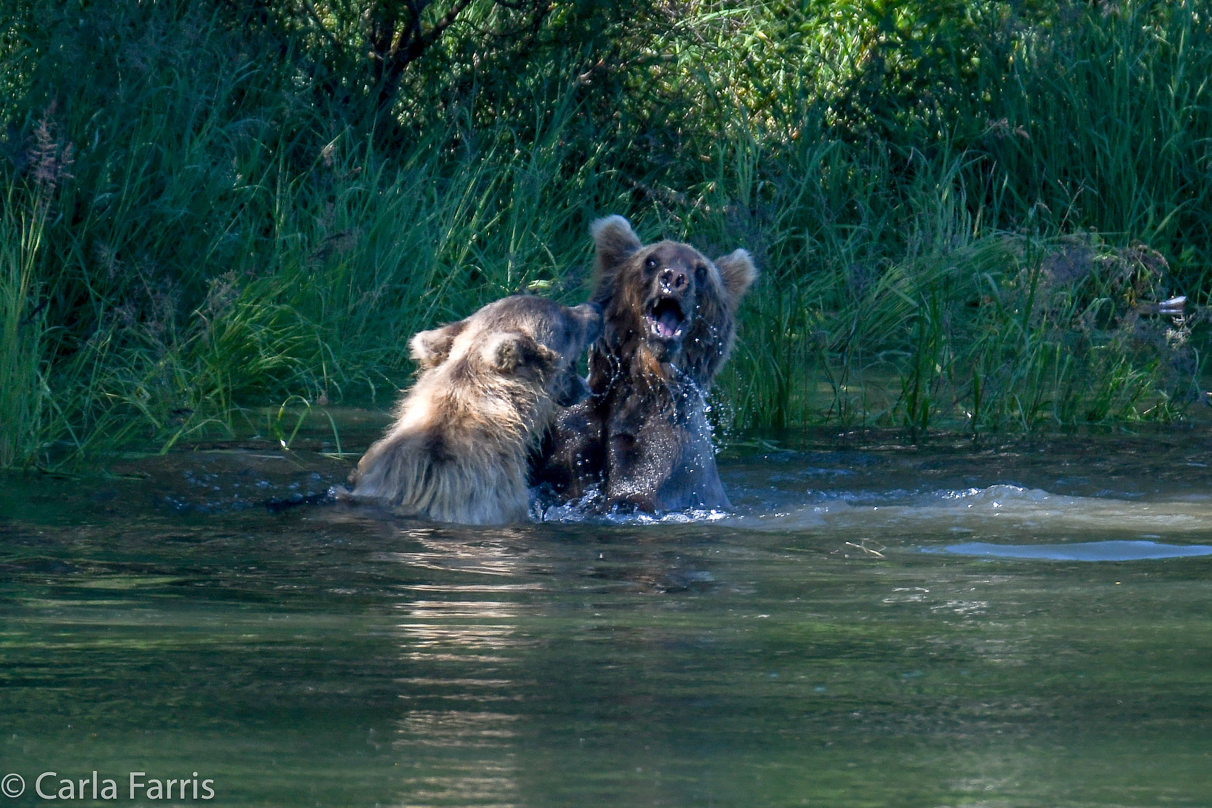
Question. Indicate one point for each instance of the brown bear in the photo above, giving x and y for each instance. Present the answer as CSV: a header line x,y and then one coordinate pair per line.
x,y
668,326
487,391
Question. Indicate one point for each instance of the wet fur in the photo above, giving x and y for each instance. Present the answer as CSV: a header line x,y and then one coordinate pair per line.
x,y
644,437
487,391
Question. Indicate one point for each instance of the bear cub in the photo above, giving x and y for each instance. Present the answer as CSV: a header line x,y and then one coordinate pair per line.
x,y
486,392
669,321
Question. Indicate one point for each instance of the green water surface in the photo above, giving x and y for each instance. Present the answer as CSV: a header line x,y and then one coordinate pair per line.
x,y
803,650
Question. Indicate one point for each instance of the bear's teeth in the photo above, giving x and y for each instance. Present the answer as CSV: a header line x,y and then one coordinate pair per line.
x,y
665,319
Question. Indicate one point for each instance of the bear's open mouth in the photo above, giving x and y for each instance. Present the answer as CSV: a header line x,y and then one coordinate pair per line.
x,y
665,318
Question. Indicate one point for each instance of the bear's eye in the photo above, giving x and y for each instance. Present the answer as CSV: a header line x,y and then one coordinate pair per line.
x,y
700,272
650,262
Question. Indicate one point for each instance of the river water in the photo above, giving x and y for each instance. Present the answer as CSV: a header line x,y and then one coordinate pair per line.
x,y
875,624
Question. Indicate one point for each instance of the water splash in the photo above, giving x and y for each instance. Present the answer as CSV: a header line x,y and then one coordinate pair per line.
x,y
588,510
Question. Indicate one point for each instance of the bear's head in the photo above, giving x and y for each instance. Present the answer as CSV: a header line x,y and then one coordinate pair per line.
x,y
666,303
523,338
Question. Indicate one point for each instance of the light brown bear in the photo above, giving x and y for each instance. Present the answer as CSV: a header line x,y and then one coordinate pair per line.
x,y
669,318
487,391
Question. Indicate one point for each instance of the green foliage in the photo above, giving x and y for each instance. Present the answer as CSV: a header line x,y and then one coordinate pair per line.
x,y
23,393
214,204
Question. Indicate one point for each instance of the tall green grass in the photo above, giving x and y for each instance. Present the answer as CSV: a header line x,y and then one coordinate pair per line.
x,y
23,389
230,231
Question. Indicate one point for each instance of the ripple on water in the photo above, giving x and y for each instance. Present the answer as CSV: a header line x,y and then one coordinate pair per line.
x,y
1077,551
1006,506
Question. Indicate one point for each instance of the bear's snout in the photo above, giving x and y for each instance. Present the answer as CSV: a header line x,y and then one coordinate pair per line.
x,y
572,390
674,280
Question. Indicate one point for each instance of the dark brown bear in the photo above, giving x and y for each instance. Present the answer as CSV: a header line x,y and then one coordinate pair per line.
x,y
487,392
668,326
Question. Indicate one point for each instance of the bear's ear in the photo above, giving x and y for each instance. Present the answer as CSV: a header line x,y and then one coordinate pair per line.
x,y
431,348
510,353
615,241
738,273
589,317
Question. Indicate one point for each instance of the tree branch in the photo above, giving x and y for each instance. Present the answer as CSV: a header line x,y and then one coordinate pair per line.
x,y
444,23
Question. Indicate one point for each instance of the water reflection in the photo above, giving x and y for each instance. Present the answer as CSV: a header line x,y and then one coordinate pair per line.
x,y
462,645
